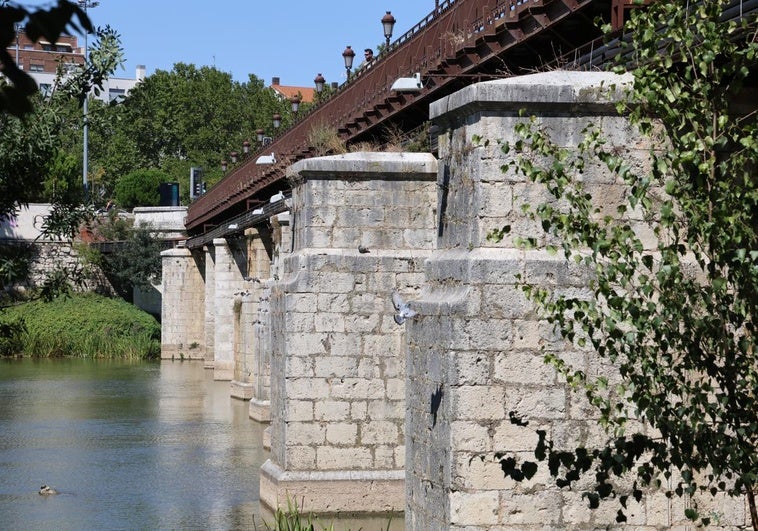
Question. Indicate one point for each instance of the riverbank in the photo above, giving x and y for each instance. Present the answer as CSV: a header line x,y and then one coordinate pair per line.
x,y
82,325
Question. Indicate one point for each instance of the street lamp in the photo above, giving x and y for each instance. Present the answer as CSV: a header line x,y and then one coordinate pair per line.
x,y
320,82
86,4
245,147
223,166
348,56
259,133
233,155
388,22
277,118
295,102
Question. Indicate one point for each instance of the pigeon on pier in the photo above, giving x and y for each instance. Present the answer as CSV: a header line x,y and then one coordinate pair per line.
x,y
402,308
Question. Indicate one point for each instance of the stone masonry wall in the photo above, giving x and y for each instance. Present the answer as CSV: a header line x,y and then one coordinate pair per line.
x,y
209,274
183,323
269,273
474,352
363,225
248,367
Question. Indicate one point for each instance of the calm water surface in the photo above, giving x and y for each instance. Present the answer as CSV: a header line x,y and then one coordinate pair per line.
x,y
128,445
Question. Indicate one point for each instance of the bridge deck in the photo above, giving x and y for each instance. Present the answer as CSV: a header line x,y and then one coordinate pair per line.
x,y
461,42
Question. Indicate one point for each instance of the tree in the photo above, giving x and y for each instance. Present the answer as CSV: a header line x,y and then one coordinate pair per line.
x,y
678,322
140,188
186,117
33,129
135,262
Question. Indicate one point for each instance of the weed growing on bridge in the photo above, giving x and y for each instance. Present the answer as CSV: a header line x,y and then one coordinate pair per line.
x,y
325,141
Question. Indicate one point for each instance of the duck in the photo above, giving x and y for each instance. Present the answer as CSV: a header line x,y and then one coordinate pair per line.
x,y
44,490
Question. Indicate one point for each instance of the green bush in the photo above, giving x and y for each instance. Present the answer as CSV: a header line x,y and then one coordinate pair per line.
x,y
86,326
140,188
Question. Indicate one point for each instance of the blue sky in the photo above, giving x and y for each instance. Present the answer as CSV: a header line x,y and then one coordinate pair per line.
x,y
293,40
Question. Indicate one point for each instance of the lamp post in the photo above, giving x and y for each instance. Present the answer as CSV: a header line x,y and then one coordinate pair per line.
x,y
86,4
320,82
17,26
245,147
277,119
233,155
388,23
259,133
295,102
348,56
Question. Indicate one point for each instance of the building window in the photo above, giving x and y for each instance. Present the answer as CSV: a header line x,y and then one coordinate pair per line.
x,y
36,68
47,47
28,47
116,94
45,89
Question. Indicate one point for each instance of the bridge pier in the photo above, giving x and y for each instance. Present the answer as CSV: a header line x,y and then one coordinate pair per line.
x,y
226,282
362,226
182,330
475,352
209,253
279,244
249,367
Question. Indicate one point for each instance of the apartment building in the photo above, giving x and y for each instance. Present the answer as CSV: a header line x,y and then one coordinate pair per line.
x,y
41,60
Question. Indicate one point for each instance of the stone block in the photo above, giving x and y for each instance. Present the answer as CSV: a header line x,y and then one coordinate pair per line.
x,y
328,366
307,388
342,433
306,434
353,458
470,436
474,508
538,508
300,411
539,402
472,402
331,410
379,432
357,389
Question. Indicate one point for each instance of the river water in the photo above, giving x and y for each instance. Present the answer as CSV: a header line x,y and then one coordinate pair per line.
x,y
129,445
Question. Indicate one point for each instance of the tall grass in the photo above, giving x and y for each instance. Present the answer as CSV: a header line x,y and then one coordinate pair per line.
x,y
293,519
87,326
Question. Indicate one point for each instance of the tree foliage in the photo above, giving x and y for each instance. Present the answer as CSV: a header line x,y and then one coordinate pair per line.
x,y
135,261
34,130
140,188
678,321
186,117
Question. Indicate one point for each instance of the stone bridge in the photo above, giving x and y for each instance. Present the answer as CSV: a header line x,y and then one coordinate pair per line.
x,y
368,415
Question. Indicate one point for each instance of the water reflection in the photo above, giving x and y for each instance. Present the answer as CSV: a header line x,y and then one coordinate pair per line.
x,y
128,445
